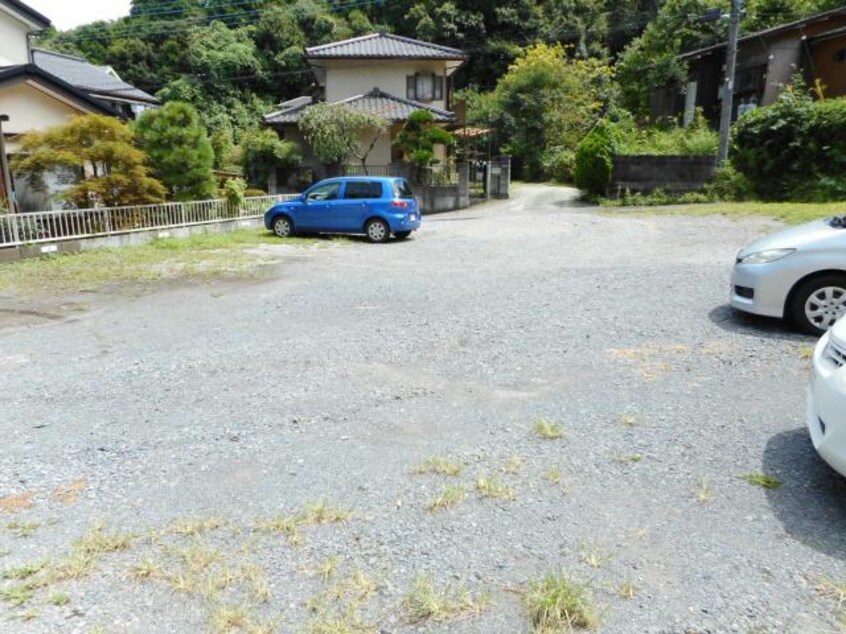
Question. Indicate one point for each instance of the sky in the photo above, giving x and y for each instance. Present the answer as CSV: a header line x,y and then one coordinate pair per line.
x,y
66,14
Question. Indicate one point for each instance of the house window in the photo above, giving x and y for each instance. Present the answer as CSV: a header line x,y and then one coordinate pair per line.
x,y
424,87
840,56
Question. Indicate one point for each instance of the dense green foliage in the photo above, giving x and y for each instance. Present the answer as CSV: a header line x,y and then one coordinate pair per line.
x,y
794,149
117,173
262,151
543,106
667,138
594,158
180,152
338,134
419,136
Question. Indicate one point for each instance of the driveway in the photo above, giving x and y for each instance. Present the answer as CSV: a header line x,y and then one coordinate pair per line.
x,y
198,419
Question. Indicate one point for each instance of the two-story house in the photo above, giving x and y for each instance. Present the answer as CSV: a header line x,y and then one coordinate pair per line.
x,y
40,89
387,75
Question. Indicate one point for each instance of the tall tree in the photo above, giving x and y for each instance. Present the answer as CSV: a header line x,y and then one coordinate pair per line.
x,y
96,156
180,152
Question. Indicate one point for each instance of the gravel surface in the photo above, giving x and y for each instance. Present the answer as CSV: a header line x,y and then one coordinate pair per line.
x,y
231,403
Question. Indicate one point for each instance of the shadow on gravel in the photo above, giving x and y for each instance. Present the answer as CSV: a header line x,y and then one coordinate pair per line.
x,y
812,503
735,321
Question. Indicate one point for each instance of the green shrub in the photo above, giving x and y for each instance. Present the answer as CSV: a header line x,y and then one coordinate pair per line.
x,y
234,190
252,193
560,164
729,184
670,139
594,162
794,149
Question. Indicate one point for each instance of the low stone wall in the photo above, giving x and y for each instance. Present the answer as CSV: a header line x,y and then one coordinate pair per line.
x,y
436,199
669,173
124,239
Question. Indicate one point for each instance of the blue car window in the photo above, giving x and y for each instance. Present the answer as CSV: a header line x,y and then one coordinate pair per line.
x,y
363,189
329,191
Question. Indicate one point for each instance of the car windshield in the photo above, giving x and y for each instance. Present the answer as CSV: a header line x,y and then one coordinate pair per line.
x,y
402,189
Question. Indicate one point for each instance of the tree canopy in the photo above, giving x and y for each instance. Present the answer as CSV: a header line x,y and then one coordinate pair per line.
x,y
337,133
179,149
100,148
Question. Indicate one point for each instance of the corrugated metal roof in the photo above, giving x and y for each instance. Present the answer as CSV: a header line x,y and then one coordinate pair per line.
x,y
383,45
83,75
375,102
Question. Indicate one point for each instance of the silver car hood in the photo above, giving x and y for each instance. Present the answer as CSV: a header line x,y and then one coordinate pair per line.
x,y
795,237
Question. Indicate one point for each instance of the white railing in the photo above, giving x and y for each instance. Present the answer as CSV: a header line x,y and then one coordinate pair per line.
x,y
54,226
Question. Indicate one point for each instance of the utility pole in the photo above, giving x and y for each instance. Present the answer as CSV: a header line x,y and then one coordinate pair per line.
x,y
4,167
728,86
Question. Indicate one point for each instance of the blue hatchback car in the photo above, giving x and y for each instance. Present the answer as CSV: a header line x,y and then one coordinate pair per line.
x,y
374,206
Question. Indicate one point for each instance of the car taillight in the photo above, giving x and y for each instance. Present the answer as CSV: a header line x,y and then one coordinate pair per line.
x,y
400,203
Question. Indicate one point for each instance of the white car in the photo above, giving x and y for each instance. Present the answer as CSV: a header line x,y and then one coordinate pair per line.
x,y
827,398
797,273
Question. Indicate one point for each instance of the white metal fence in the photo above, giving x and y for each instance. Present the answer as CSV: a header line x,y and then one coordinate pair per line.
x,y
54,226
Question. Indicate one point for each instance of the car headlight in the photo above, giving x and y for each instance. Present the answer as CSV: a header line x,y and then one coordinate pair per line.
x,y
765,257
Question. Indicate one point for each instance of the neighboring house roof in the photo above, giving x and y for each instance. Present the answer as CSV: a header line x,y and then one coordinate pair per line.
x,y
95,80
11,74
37,19
776,30
383,45
375,102
289,111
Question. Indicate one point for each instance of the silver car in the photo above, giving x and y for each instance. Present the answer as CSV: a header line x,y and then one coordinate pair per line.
x,y
797,274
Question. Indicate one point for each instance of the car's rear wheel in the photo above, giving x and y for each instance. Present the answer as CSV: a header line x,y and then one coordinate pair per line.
x,y
819,302
402,235
378,230
283,227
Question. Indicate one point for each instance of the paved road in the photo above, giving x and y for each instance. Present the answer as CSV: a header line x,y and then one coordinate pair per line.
x,y
341,373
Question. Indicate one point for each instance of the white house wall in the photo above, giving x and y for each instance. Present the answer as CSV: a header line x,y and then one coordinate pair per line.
x,y
30,108
13,44
345,79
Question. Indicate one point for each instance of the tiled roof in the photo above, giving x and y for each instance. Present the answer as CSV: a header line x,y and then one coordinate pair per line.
x,y
375,102
383,45
92,79
23,72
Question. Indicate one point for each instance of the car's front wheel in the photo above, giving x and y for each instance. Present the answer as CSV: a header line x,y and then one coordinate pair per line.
x,y
402,235
378,230
283,227
819,302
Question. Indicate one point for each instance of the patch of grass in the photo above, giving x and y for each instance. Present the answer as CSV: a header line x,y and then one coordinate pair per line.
x,y
830,589
439,466
492,487
704,491
288,525
548,429
257,584
424,602
450,495
69,494
196,526
58,599
513,465
16,595
629,421
22,529
146,568
207,256
557,603
196,558
323,513
762,480
592,556
349,622
806,352
554,475
98,541
628,459
327,569
626,589
29,615
227,618
24,571
789,213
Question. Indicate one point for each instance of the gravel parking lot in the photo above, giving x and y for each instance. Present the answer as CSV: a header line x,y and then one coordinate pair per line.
x,y
244,456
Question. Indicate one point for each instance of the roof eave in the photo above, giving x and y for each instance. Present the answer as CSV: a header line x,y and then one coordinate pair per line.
x,y
31,70
34,18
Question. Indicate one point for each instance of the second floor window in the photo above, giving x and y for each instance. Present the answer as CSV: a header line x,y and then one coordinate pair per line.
x,y
424,87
